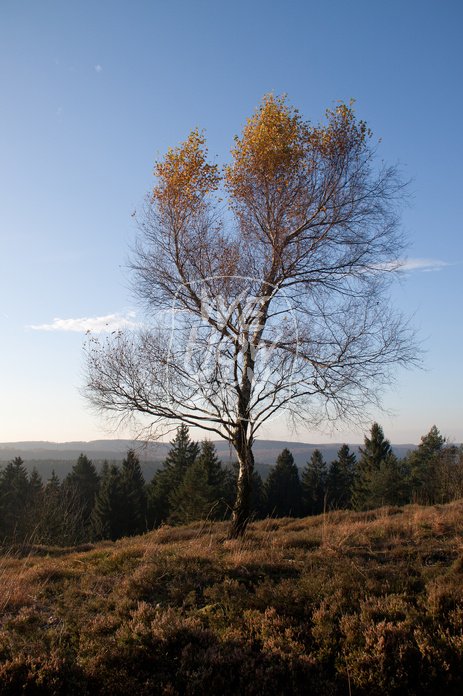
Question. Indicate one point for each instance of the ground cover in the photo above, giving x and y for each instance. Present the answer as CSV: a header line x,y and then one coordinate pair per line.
x,y
341,603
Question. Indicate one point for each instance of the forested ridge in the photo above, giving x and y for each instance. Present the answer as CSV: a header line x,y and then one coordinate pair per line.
x,y
114,500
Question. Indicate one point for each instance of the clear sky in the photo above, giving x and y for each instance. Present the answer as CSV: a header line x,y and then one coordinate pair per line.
x,y
92,91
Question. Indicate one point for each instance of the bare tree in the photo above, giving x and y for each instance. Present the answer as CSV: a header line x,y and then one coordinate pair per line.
x,y
278,301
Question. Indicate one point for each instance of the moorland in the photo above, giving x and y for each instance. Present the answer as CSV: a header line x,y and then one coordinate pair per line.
x,y
345,602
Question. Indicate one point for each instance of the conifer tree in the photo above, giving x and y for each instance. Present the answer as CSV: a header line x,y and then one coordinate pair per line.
x,y
375,450
106,518
202,493
447,474
133,512
340,479
82,484
33,505
258,500
14,496
421,464
283,488
58,515
334,486
35,484
378,480
48,516
314,484
166,482
386,484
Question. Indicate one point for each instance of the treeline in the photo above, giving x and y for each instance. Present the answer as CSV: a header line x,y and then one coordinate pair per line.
x,y
430,474
192,484
116,502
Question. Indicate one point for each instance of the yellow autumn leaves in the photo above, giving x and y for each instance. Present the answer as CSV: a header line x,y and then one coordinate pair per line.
x,y
277,151
184,177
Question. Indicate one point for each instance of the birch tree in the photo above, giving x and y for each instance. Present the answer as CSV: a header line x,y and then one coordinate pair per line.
x,y
265,285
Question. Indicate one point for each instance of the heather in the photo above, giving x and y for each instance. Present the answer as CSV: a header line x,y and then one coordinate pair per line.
x,y
366,602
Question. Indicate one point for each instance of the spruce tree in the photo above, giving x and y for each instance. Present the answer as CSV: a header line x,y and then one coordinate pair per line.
x,y
35,484
334,486
340,479
203,489
258,500
386,483
314,484
106,518
58,516
133,512
167,481
283,488
82,484
33,506
14,497
378,480
50,514
421,464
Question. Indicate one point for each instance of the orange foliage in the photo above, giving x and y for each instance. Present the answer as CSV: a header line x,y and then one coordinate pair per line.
x,y
184,177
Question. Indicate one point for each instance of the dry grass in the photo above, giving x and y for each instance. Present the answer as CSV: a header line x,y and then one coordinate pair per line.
x,y
371,602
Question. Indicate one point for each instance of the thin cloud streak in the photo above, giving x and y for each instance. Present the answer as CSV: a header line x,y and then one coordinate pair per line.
x,y
422,265
409,265
108,323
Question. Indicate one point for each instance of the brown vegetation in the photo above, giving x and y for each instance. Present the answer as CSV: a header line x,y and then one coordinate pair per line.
x,y
361,603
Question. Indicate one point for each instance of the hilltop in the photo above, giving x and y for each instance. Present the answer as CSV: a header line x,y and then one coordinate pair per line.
x,y
366,603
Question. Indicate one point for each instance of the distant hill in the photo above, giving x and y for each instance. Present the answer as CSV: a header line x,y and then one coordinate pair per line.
x,y
265,451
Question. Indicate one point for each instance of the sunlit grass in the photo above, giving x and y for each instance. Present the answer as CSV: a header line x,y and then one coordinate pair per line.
x,y
371,602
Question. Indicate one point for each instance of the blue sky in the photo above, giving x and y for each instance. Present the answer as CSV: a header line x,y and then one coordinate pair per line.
x,y
92,91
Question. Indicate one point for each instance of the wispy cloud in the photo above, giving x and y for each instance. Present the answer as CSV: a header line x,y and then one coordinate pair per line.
x,y
407,266
108,323
98,68
423,265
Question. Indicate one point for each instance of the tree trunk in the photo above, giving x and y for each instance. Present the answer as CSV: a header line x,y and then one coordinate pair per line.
x,y
242,440
242,508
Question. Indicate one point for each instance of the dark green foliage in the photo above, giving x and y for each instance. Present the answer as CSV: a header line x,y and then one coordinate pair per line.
x,y
421,464
376,449
20,502
378,478
14,500
133,511
340,479
181,456
258,499
57,515
201,494
53,486
83,483
447,474
386,484
167,481
193,485
35,485
107,522
282,487
314,484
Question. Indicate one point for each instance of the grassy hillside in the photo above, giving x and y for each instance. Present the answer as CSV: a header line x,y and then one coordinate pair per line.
x,y
346,603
